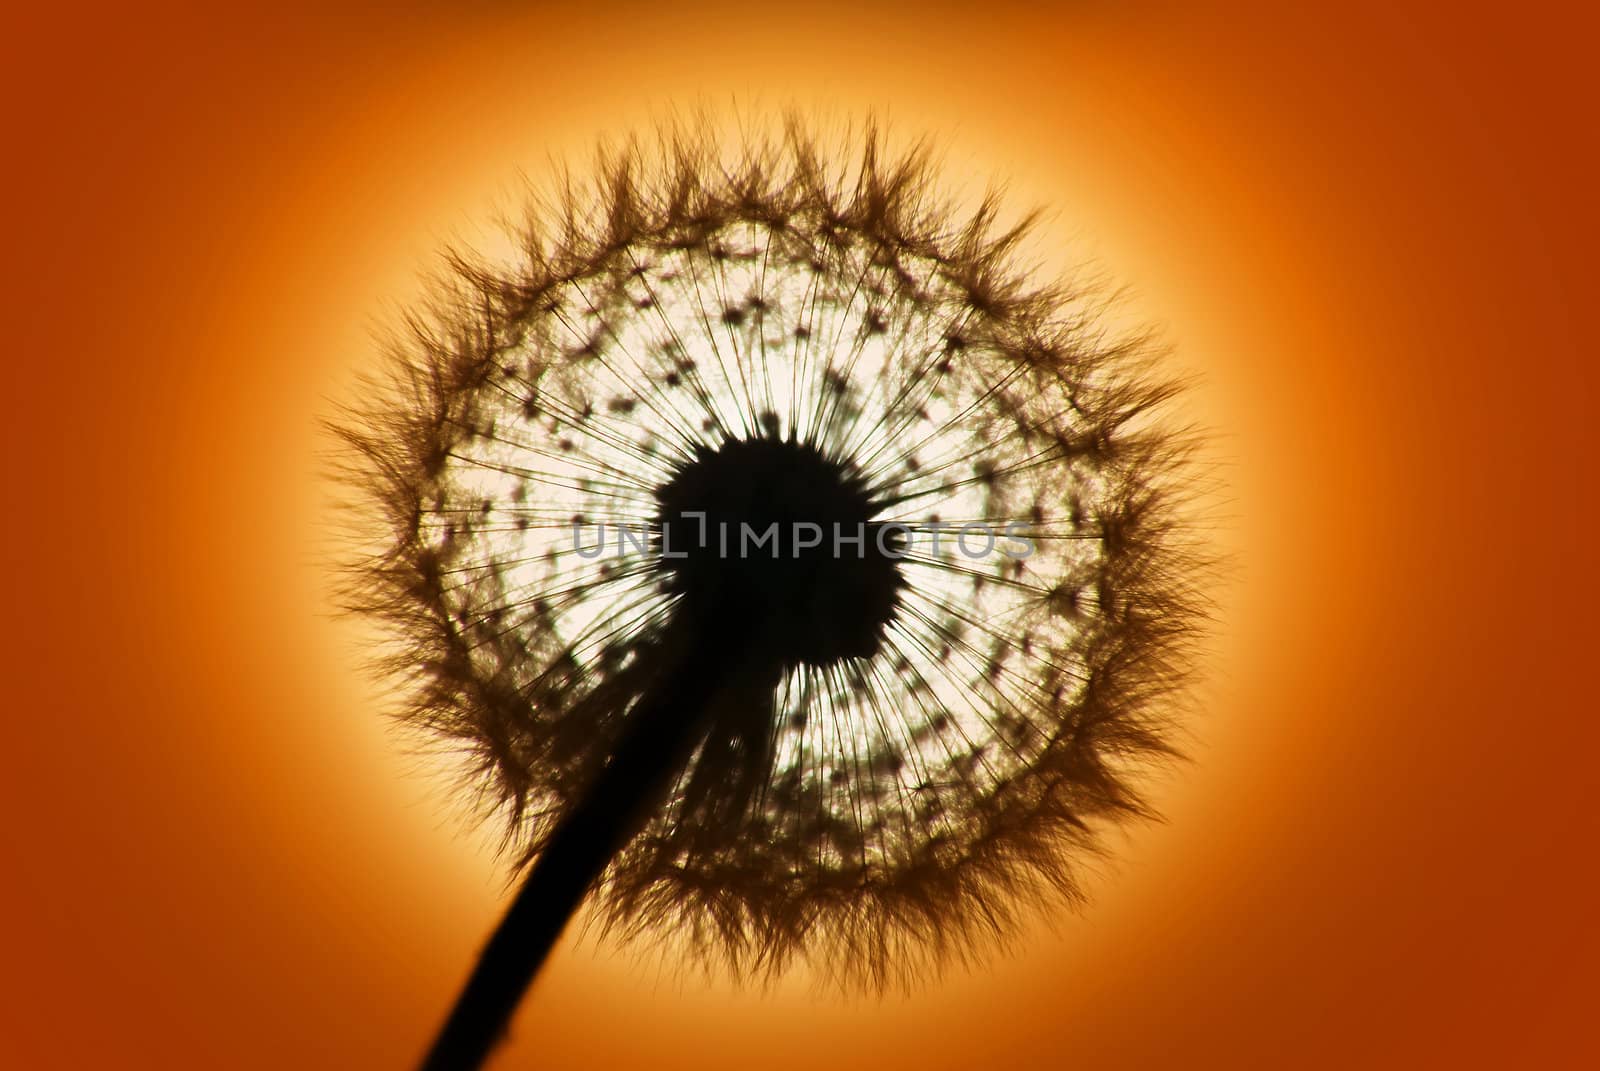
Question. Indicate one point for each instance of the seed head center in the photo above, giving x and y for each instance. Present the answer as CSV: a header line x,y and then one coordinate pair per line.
x,y
773,541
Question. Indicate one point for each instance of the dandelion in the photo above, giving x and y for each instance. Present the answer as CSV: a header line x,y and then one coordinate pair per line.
x,y
894,592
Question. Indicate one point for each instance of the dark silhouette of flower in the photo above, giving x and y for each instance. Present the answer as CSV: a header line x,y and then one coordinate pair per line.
x,y
910,735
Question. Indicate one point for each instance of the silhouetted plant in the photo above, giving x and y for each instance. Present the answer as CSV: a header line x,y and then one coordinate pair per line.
x,y
868,759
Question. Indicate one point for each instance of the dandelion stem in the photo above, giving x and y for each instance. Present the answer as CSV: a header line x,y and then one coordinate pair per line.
x,y
663,730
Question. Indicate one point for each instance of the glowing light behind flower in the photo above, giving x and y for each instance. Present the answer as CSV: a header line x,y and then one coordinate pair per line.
x,y
1346,254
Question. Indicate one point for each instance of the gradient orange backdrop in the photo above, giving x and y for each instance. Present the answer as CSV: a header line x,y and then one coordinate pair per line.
x,y
1367,232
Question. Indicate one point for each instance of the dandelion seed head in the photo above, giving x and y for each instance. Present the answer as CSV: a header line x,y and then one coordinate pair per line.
x,y
914,761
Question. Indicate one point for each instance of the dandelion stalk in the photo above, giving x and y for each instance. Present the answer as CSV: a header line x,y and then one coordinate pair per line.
x,y
666,726
901,715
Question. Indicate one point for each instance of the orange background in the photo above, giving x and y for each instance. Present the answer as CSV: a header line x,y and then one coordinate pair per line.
x,y
1364,230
